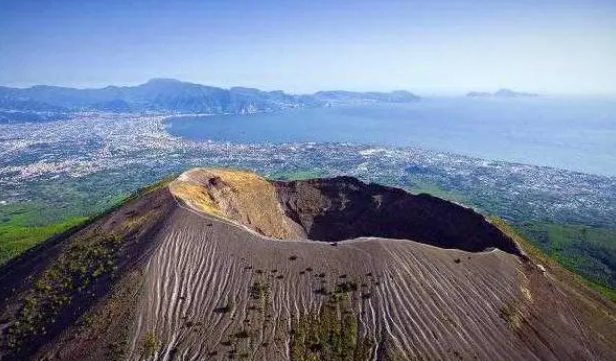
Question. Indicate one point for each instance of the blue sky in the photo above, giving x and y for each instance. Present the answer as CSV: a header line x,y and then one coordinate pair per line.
x,y
435,46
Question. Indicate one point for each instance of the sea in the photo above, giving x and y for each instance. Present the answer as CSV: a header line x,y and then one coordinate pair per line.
x,y
572,133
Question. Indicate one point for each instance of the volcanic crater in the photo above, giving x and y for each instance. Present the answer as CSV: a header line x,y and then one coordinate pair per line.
x,y
222,264
338,209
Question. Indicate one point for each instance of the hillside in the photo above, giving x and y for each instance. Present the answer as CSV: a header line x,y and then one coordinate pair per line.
x,y
44,103
223,264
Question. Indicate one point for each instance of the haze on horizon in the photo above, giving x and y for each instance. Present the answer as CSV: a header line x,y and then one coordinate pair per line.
x,y
440,46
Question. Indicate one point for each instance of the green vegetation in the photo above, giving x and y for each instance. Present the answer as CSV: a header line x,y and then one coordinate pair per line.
x,y
71,275
117,350
607,292
544,257
54,202
149,345
588,251
23,226
17,239
509,314
332,334
54,209
258,290
433,189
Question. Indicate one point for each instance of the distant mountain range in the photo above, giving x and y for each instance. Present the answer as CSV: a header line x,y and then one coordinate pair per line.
x,y
174,96
502,93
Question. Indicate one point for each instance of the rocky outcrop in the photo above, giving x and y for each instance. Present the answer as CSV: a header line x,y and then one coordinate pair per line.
x,y
344,208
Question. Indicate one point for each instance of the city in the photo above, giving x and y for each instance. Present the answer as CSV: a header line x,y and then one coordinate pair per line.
x,y
138,147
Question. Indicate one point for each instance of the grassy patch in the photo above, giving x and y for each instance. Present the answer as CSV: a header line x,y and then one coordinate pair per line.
x,y
23,226
14,239
587,251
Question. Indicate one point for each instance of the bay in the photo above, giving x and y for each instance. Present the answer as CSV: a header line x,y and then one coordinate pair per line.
x,y
570,133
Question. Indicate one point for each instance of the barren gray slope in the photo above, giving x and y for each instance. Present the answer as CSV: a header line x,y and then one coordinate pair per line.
x,y
425,303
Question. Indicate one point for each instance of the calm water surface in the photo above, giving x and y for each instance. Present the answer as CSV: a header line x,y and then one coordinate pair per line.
x,y
576,134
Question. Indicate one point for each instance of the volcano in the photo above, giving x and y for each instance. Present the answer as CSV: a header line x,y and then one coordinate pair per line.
x,y
222,264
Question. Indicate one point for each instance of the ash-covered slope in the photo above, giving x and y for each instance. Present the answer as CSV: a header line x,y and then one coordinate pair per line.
x,y
220,265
